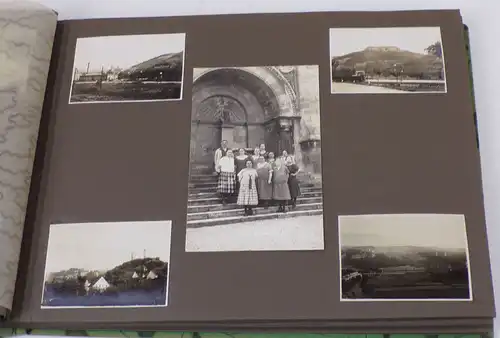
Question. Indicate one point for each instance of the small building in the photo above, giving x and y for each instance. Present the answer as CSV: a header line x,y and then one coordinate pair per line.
x,y
382,49
101,284
92,77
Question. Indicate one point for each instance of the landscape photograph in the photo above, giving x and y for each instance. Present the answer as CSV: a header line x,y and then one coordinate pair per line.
x,y
255,180
116,264
128,68
412,257
387,60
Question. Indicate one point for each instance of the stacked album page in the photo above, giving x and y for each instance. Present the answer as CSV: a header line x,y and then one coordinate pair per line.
x,y
26,39
244,171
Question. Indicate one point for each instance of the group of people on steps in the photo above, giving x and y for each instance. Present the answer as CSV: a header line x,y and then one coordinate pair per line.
x,y
257,179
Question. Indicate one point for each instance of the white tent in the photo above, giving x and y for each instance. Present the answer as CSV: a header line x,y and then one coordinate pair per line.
x,y
152,275
135,275
101,284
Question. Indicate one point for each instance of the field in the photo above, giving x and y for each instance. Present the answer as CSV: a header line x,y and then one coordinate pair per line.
x,y
149,297
412,285
404,273
125,91
412,87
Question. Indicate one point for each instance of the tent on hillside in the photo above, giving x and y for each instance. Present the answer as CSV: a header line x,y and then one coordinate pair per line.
x,y
101,284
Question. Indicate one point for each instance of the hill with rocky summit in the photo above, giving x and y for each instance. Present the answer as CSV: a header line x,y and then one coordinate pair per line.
x,y
164,67
387,62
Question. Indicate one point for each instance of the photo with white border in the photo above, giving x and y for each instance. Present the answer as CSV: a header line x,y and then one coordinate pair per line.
x,y
113,264
404,257
387,60
128,68
255,180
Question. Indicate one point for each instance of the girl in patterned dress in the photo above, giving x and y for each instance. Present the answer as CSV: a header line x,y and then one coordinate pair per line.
x,y
227,176
247,195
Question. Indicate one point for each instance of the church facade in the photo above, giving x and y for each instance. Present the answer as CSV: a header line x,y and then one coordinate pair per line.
x,y
249,106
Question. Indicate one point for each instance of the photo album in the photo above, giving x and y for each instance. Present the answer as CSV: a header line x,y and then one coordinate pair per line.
x,y
298,172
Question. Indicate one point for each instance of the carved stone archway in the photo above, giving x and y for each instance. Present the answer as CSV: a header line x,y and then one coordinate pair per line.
x,y
245,106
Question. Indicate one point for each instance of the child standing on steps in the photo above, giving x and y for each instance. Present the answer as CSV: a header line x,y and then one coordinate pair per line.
x,y
247,194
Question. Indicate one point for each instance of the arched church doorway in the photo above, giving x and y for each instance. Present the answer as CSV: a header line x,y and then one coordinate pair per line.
x,y
233,105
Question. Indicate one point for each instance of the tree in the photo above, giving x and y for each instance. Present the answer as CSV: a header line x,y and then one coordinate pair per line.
x,y
435,49
335,64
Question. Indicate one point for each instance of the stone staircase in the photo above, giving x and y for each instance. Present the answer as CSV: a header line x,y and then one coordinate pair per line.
x,y
206,209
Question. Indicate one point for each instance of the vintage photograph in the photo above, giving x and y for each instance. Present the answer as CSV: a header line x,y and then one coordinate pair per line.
x,y
387,60
255,179
116,264
128,68
413,257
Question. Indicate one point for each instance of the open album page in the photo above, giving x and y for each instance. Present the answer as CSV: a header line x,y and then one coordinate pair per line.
x,y
25,49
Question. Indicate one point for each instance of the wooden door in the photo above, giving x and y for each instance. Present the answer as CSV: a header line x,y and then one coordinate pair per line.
x,y
205,139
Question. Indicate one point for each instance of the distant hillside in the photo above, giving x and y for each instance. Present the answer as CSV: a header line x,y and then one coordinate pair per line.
x,y
141,266
379,62
169,65
120,277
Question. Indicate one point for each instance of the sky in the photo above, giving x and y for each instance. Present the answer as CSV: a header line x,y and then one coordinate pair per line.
x,y
124,50
101,246
429,230
413,39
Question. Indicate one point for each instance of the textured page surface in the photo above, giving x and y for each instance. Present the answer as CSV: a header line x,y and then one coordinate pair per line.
x,y
27,33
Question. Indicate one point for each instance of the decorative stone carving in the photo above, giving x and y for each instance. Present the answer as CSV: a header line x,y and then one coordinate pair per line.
x,y
289,90
286,69
221,109
285,124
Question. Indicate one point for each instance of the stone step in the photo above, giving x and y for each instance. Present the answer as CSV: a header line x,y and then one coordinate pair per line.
x,y
238,212
203,178
200,186
255,217
217,206
213,193
214,177
197,201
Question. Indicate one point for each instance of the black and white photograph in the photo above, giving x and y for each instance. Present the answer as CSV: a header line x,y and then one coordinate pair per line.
x,y
128,68
387,60
255,181
404,257
107,265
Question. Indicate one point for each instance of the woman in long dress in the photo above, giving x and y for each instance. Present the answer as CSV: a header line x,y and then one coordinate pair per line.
x,y
255,157
264,182
281,192
227,176
293,182
240,162
247,195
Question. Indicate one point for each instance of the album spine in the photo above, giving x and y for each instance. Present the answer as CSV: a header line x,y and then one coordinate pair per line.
x,y
471,79
25,47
